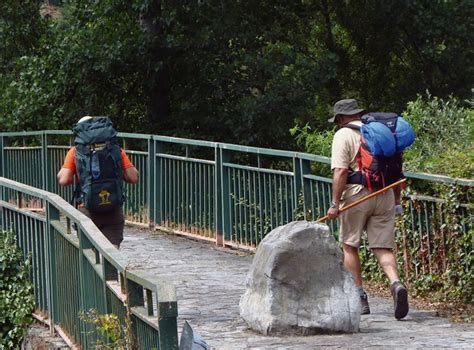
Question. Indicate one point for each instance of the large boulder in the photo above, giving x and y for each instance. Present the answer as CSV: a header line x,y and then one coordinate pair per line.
x,y
297,284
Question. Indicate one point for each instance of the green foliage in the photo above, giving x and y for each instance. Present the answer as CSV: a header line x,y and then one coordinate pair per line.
x,y
16,293
445,137
437,263
87,65
20,30
393,50
315,142
252,72
112,334
242,72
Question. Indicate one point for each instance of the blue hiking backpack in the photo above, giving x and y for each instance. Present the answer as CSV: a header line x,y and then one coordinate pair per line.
x,y
98,165
384,137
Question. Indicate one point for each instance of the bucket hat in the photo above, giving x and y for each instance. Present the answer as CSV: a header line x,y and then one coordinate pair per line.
x,y
347,107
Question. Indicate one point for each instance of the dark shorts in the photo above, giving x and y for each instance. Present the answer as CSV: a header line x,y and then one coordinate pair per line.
x,y
111,224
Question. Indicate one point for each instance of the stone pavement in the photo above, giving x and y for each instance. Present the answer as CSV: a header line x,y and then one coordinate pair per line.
x,y
210,281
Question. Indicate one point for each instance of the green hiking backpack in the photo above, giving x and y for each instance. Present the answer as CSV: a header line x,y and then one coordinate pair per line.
x,y
98,165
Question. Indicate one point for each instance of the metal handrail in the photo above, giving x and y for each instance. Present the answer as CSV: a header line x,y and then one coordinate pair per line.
x,y
245,149
93,251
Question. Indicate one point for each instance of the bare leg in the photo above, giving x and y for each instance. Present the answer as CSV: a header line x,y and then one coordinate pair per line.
x,y
387,261
352,262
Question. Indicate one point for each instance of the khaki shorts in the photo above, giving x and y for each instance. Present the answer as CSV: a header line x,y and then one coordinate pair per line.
x,y
376,216
111,224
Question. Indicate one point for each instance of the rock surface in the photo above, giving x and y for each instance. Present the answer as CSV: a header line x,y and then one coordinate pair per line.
x,y
297,284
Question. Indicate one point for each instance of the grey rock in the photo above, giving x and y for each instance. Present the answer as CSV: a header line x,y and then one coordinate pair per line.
x,y
297,284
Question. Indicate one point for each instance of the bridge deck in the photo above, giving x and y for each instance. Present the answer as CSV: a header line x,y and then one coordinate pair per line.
x,y
210,281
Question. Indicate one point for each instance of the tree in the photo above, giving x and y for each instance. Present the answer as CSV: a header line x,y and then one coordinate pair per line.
x,y
20,30
244,71
233,71
401,48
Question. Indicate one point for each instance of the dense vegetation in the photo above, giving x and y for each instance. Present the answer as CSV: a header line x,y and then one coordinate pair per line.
x,y
231,71
16,293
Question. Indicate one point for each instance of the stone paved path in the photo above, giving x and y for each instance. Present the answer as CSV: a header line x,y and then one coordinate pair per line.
x,y
210,281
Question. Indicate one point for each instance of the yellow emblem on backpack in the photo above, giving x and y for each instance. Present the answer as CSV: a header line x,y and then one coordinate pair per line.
x,y
104,197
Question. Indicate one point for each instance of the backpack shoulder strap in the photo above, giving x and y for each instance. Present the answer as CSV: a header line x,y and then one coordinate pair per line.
x,y
352,126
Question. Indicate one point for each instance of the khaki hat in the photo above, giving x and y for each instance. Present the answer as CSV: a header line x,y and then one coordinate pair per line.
x,y
346,107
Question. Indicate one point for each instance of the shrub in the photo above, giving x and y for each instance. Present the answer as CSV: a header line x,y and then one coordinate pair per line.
x,y
445,137
16,293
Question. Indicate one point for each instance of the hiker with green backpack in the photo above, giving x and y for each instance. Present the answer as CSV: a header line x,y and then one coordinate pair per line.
x,y
98,166
367,156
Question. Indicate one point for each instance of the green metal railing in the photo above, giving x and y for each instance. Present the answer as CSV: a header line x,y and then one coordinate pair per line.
x,y
75,270
230,194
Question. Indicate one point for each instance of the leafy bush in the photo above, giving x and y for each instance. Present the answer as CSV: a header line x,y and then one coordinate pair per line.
x,y
16,293
445,137
111,333
315,142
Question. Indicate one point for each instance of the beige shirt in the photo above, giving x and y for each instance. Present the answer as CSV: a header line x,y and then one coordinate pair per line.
x,y
345,147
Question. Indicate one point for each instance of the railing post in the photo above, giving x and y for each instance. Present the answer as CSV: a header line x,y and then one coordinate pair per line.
x,y
1,156
52,214
110,274
167,317
305,170
134,292
302,167
157,193
85,294
222,211
151,173
45,178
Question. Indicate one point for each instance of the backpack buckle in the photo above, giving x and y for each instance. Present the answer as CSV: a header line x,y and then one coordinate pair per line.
x,y
97,146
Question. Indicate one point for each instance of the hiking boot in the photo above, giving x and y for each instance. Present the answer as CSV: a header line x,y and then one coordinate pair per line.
x,y
364,305
400,299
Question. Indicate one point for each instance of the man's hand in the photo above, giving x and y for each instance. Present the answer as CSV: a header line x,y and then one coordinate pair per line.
x,y
333,212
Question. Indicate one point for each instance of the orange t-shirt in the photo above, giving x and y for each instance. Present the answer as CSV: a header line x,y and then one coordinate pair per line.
x,y
70,160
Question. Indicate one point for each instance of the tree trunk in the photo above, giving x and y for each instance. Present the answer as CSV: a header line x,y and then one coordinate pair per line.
x,y
159,88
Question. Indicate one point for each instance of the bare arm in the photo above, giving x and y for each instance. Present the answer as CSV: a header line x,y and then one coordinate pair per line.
x,y
339,181
130,175
65,177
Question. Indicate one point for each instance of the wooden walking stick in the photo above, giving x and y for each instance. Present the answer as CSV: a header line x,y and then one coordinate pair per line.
x,y
363,199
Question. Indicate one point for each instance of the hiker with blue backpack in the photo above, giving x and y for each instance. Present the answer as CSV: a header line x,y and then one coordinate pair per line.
x,y
366,156
99,166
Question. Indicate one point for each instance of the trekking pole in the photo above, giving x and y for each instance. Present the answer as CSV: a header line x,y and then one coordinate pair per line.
x,y
363,199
